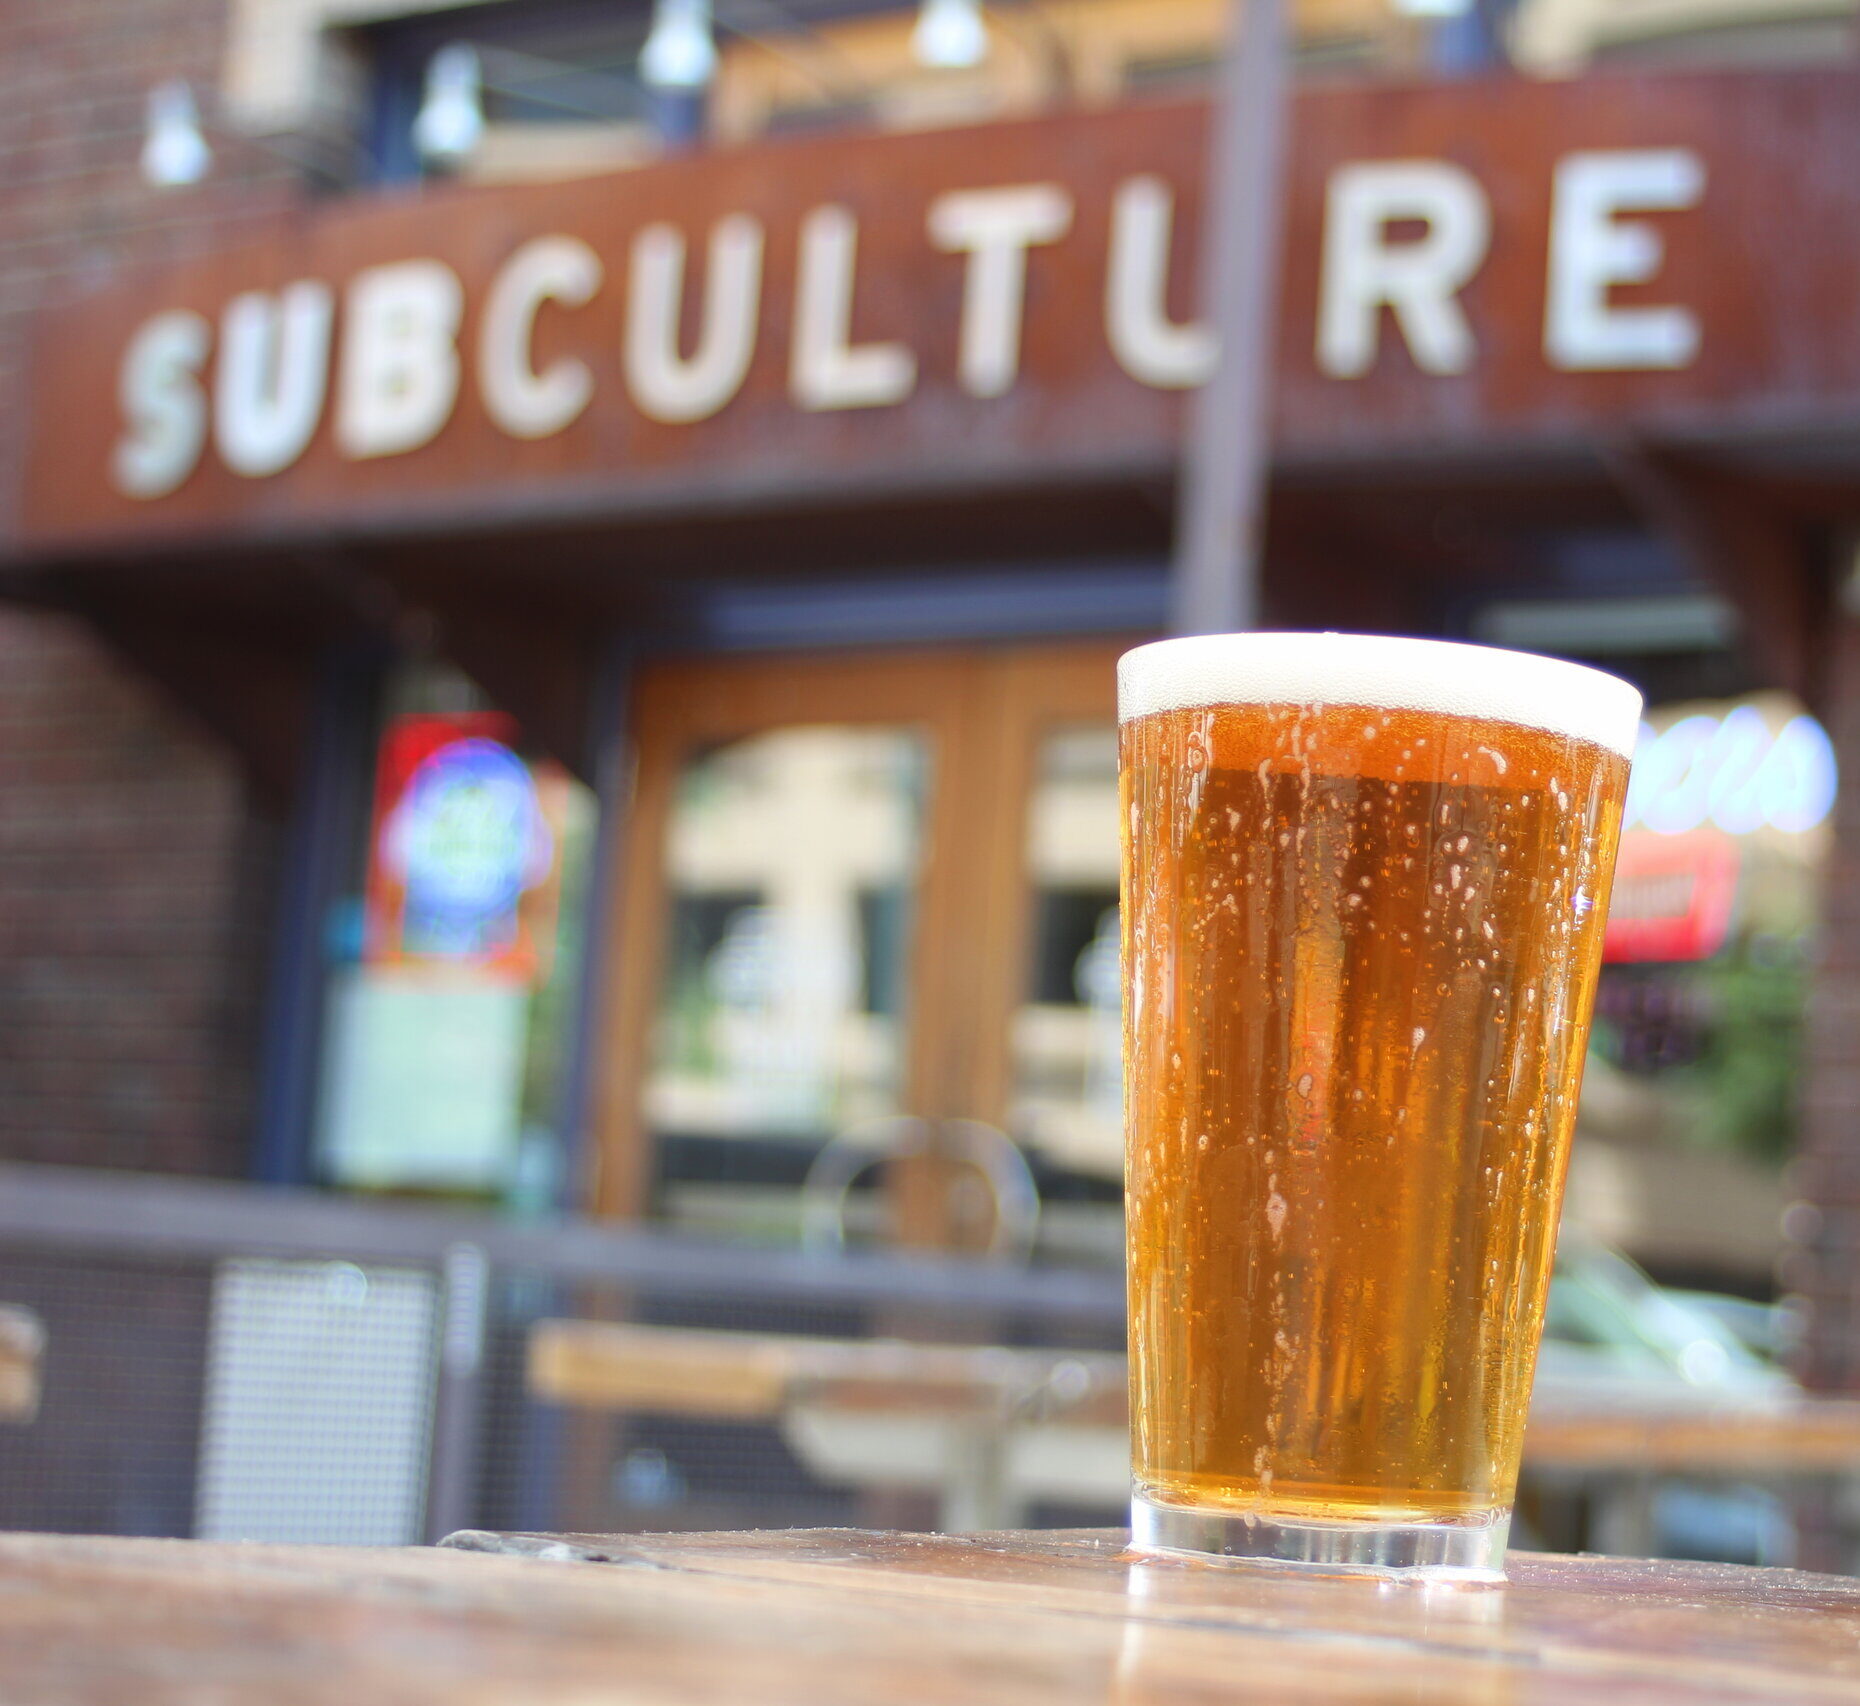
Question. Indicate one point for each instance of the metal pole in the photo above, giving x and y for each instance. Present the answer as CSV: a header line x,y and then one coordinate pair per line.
x,y
458,1392
1226,458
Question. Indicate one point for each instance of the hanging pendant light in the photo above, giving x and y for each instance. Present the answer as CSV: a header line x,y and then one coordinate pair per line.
x,y
681,52
951,35
174,152
450,123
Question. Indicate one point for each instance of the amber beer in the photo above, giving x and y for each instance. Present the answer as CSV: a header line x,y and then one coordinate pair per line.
x,y
1365,882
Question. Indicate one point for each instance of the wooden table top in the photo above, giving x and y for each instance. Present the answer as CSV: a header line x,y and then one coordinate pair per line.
x,y
836,1617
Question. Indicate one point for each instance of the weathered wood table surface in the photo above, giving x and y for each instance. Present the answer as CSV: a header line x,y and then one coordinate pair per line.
x,y
832,1617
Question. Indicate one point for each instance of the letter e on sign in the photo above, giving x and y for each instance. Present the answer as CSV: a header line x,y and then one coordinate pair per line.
x,y
1592,250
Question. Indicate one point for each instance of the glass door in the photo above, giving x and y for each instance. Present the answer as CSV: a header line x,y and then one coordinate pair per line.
x,y
823,931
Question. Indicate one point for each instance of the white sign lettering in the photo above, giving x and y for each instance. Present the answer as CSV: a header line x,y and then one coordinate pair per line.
x,y
995,229
1148,345
1592,250
525,403
666,385
272,376
829,371
400,358
1401,241
1418,278
164,407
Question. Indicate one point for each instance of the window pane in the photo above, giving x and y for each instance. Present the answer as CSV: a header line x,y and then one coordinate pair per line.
x,y
455,963
792,863
1068,1085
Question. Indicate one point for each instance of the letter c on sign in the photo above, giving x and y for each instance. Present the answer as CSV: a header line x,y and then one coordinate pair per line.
x,y
525,403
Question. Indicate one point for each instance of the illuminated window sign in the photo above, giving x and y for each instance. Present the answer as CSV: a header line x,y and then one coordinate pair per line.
x,y
1720,834
1734,773
463,867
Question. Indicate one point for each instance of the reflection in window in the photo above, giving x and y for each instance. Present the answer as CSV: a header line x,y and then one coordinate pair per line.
x,y
1068,1082
792,862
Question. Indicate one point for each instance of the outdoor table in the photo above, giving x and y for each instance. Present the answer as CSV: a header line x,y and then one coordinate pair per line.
x,y
992,1429
837,1616
22,1345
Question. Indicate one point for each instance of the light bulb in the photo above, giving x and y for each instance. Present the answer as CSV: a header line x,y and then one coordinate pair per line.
x,y
680,53
450,122
951,35
174,152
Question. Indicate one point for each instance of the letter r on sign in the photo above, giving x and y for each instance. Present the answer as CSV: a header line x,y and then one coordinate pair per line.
x,y
1418,279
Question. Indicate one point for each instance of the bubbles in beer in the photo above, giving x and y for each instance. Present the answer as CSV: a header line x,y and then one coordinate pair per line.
x,y
1347,1107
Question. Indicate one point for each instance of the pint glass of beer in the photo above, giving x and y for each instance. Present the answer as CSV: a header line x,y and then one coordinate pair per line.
x,y
1364,888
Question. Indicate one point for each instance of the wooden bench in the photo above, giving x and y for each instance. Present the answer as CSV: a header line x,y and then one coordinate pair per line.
x,y
993,1429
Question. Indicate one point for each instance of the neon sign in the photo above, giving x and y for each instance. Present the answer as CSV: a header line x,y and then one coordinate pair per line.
x,y
464,868
1733,772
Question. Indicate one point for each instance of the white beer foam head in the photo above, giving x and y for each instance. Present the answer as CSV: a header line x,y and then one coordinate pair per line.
x,y
1390,674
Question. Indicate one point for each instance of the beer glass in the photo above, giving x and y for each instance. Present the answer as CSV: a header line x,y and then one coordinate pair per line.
x,y
1364,887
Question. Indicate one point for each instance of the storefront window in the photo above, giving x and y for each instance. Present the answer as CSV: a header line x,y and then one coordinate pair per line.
x,y
455,961
1066,1104
791,863
1717,899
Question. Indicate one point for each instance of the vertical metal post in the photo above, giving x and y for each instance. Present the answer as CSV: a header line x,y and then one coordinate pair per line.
x,y
544,1433
1226,459
452,1467
326,827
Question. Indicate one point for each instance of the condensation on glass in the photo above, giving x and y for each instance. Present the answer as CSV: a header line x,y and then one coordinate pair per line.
x,y
1365,888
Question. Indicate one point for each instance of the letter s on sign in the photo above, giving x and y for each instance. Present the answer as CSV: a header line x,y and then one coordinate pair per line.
x,y
164,406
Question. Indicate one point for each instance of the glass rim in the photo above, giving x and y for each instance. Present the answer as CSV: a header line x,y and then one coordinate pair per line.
x,y
1449,678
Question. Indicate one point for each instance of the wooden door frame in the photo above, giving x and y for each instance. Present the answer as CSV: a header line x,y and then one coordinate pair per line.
x,y
1030,691
982,711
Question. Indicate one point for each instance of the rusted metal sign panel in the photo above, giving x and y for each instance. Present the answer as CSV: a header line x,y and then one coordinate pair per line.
x,y
1488,268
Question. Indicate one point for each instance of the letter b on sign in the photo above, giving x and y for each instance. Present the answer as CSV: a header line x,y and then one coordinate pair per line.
x,y
400,358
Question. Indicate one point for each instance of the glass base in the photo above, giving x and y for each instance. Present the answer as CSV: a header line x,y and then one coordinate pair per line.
x,y
1466,1551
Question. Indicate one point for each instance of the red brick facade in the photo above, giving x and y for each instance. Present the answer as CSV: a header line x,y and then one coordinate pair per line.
x,y
131,919
133,875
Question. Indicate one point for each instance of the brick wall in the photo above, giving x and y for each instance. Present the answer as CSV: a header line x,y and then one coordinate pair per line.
x,y
132,884
74,78
133,874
